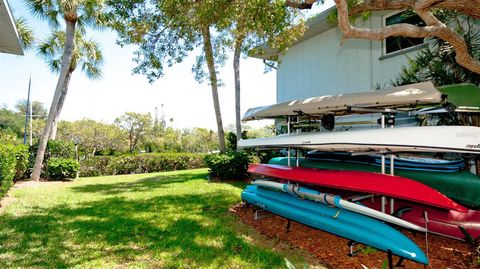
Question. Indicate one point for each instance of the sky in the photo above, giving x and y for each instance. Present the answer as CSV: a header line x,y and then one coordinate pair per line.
x,y
118,91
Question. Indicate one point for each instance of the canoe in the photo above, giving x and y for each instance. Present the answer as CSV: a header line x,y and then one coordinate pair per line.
x,y
463,187
458,139
400,162
365,182
340,222
341,104
337,201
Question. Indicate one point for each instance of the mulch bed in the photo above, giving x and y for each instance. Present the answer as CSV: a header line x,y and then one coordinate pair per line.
x,y
332,250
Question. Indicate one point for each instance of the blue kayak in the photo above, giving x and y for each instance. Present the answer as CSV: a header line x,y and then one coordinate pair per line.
x,y
402,162
347,224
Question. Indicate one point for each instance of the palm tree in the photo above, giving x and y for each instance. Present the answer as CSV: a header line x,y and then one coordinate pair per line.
x,y
86,54
27,36
73,13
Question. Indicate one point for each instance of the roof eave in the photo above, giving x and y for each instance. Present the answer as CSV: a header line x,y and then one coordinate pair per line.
x,y
10,41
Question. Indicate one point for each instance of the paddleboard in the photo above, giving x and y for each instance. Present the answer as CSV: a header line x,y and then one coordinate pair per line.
x,y
337,201
366,182
344,223
341,104
458,139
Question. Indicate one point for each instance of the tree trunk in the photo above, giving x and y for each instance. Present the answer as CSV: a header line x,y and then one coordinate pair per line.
x,y
236,70
66,60
61,101
207,47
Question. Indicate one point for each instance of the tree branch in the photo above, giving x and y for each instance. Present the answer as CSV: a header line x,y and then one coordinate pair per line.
x,y
468,7
434,28
307,4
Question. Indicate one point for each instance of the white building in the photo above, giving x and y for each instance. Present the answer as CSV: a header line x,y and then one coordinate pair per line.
x,y
319,64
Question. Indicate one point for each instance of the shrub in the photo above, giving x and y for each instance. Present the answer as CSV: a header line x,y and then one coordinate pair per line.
x,y
61,168
141,163
22,159
7,168
232,165
55,149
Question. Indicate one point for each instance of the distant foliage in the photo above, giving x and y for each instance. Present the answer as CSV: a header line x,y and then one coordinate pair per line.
x,y
141,163
61,168
231,141
55,149
22,160
7,168
232,165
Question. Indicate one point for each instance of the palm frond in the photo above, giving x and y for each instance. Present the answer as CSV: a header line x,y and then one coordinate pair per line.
x,y
27,36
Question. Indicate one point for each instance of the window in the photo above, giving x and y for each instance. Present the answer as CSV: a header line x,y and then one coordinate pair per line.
x,y
396,43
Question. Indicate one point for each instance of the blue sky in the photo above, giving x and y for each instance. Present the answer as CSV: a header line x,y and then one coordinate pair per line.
x,y
118,91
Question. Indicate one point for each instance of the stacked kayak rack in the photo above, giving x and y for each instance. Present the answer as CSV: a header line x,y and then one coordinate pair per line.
x,y
335,186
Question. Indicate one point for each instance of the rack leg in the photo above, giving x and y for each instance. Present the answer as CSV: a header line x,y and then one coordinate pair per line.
x,y
288,226
390,259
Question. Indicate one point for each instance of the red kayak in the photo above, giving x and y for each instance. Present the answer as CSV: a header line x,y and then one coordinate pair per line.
x,y
440,221
366,182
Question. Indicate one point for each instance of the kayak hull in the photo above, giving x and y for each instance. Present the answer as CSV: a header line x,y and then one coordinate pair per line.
x,y
458,139
392,186
402,162
343,223
461,186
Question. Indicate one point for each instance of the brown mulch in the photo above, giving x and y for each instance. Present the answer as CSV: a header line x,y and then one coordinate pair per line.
x,y
332,250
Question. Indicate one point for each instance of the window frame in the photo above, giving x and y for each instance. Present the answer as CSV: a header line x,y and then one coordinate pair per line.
x,y
384,41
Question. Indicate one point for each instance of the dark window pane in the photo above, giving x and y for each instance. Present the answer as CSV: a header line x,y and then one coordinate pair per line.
x,y
396,43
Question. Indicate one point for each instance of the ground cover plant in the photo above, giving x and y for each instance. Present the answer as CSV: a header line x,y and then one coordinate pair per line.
x,y
162,220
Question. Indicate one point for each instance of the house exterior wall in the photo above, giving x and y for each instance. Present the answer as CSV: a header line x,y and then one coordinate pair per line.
x,y
322,65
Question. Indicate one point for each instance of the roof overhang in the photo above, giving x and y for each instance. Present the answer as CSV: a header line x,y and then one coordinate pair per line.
x,y
315,25
10,40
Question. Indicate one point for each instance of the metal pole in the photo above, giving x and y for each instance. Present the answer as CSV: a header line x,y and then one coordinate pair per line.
x,y
31,124
288,158
288,132
392,205
384,202
392,164
27,106
297,151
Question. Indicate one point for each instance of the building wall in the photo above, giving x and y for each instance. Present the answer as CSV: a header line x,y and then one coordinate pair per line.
x,y
322,65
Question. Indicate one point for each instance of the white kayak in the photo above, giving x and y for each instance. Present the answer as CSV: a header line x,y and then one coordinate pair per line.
x,y
458,139
337,201
346,103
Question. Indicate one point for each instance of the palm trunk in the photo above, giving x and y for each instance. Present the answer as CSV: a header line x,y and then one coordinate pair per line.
x,y
236,70
66,60
61,101
207,46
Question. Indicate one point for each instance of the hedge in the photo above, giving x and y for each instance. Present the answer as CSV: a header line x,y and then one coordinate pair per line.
x,y
61,168
22,155
141,163
8,163
232,165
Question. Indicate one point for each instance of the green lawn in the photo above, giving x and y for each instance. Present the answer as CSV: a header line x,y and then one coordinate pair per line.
x,y
161,220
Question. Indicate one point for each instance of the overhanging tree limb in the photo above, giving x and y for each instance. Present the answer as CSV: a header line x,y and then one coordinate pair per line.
x,y
434,28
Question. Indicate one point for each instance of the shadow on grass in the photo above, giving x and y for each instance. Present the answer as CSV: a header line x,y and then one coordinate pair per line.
x,y
141,185
168,231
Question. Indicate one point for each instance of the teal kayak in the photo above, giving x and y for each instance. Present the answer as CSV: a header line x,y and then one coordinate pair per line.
x,y
344,223
463,187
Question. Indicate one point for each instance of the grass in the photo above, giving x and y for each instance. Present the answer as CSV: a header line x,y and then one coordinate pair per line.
x,y
161,220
